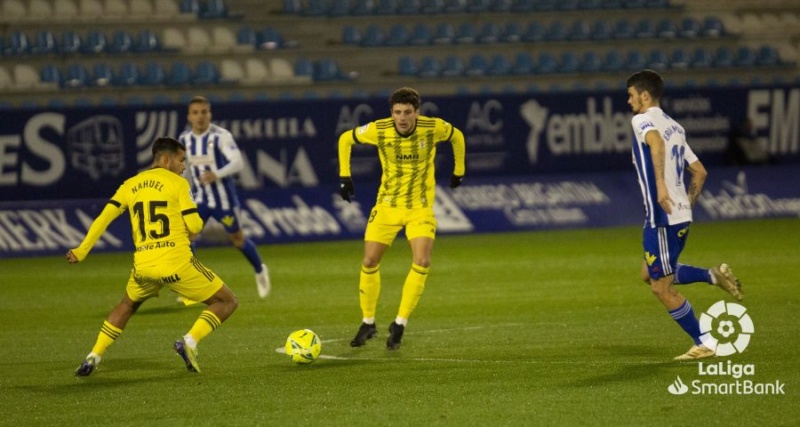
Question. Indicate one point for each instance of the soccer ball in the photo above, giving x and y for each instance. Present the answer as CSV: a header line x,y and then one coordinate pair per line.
x,y
303,346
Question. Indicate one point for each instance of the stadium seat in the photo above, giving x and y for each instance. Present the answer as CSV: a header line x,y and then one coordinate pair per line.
x,y
535,32
115,9
173,39
223,39
546,63
398,36
7,82
385,7
478,6
50,76
701,58
154,74
363,8
76,76
65,10
373,36
17,44
613,61
166,9
39,10
90,9
304,68
205,73
420,35
657,60
523,6
291,7
214,9
689,28
351,36
745,57
408,7
723,57
624,29
591,62
432,7
512,33
580,30
466,34
327,69
256,71
768,56
666,29
523,64
231,70
121,42
444,34
712,27
453,66
490,33
646,29
501,5
102,75
128,74
280,69
406,67
95,43
189,7
45,43
339,8
477,65
146,41
455,6
602,30
141,9
680,59
635,61
14,9
556,32
499,66
429,67
180,74
246,39
315,8
197,40
70,42
569,63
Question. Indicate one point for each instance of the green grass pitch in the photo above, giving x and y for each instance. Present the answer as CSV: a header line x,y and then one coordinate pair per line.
x,y
540,328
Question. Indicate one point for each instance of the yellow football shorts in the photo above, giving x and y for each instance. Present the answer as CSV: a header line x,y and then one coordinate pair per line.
x,y
190,279
385,222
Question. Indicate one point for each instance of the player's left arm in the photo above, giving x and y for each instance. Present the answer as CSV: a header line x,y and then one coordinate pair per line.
x,y
698,175
657,154
111,211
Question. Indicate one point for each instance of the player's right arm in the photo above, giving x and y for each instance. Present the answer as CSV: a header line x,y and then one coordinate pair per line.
x,y
111,211
346,141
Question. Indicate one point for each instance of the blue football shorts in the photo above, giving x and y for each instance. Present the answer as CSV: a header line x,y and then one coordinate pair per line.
x,y
662,247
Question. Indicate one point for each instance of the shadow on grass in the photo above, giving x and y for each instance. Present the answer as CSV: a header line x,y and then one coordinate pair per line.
x,y
629,362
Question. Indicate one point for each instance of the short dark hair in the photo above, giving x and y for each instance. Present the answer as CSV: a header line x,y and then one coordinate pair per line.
x,y
199,100
166,145
647,80
405,95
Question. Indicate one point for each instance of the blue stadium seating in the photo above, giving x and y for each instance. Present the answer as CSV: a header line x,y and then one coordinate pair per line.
x,y
45,43
315,8
363,8
95,43
557,31
745,57
180,74
478,6
246,36
121,42
327,69
689,28
17,44
657,60
102,75
453,66
635,61
339,8
431,7
70,42
701,58
351,35
214,9
189,7
499,66
477,65
128,74
569,63
429,67
602,30
624,29
512,33
304,68
680,59
591,62
490,33
580,30
420,35
205,73
768,56
466,34
666,29
269,38
373,36
523,64
546,63
407,67
154,74
645,29
147,41
51,74
723,57
398,36
712,27
614,62
408,7
385,7
444,34
534,32
76,76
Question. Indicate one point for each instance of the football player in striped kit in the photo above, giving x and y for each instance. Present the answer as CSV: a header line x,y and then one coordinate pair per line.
x,y
406,144
212,159
660,155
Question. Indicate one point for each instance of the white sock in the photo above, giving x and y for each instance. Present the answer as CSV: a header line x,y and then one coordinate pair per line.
x,y
368,320
190,341
401,321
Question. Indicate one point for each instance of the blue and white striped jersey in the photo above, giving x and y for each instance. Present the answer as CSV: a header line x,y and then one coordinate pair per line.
x,y
216,151
678,154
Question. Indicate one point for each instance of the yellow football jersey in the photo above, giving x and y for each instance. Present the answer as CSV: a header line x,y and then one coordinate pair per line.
x,y
157,201
408,178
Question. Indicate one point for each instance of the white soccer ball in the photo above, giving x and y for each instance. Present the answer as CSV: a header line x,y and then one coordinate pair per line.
x,y
303,346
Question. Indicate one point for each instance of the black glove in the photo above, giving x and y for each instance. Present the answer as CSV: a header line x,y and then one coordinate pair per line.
x,y
455,181
346,188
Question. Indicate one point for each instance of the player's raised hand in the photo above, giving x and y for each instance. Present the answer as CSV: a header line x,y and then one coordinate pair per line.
x,y
346,188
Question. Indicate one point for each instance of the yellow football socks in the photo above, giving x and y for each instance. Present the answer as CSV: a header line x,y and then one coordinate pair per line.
x,y
412,290
108,334
369,288
204,325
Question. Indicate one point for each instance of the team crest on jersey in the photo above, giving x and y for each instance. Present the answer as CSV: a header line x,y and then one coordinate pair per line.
x,y
363,129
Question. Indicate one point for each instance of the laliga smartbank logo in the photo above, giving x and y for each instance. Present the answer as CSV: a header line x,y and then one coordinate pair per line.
x,y
726,328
